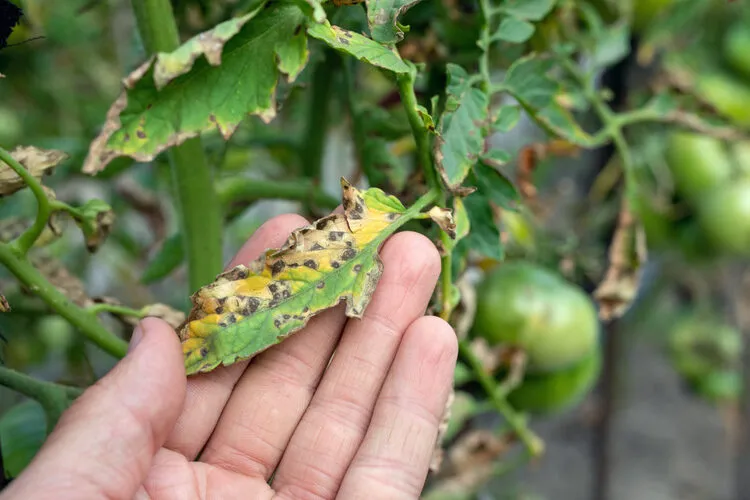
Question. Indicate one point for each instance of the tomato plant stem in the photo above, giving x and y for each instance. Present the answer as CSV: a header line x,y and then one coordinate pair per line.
x,y
197,202
533,443
115,309
86,322
54,398
418,127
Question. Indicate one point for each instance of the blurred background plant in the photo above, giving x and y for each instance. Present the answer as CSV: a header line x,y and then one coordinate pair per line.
x,y
599,294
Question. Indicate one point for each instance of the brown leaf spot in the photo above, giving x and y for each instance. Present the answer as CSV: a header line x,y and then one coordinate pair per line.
x,y
357,268
320,285
141,134
336,235
277,267
335,265
316,247
250,306
348,254
311,264
212,118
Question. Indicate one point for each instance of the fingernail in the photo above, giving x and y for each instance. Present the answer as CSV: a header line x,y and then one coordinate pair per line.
x,y
136,338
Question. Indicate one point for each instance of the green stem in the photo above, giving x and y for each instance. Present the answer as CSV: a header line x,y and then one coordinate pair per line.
x,y
317,116
533,443
235,189
197,202
54,398
86,322
418,128
34,388
27,239
484,41
114,309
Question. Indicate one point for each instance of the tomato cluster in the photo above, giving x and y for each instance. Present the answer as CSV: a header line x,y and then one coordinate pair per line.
x,y
526,306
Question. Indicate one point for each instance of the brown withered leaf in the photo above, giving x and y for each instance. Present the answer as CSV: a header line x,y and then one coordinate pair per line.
x,y
62,279
4,306
39,162
627,253
443,217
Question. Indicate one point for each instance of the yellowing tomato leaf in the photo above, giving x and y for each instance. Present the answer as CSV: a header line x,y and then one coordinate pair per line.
x,y
250,308
176,96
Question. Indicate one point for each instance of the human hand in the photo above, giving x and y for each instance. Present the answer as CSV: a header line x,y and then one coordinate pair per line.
x,y
364,427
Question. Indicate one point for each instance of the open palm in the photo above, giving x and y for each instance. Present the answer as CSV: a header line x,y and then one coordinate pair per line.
x,y
343,409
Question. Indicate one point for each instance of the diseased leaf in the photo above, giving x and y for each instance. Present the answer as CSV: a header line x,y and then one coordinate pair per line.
x,y
513,30
382,16
145,121
248,309
4,305
39,162
359,46
531,10
443,217
210,44
462,128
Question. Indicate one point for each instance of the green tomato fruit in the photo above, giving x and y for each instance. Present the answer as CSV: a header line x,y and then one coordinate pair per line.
x,y
724,216
737,48
698,163
557,391
527,306
700,346
729,95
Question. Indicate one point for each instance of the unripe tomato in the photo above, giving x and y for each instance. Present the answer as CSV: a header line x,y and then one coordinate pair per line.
x,y
521,304
730,96
698,163
737,48
706,353
724,215
557,391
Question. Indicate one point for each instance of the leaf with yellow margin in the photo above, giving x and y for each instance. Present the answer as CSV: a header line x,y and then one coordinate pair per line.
x,y
251,308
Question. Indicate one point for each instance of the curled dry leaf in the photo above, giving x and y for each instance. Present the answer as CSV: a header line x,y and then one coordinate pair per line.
x,y
4,306
470,461
38,162
249,309
443,217
627,253
172,316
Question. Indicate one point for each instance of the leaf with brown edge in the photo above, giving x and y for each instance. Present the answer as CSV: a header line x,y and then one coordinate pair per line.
x,y
443,217
39,162
251,308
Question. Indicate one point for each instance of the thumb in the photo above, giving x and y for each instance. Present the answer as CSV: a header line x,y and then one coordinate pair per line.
x,y
103,445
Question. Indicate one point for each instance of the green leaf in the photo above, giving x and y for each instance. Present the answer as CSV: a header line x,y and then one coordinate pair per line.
x,y
484,236
23,429
528,81
359,46
96,220
462,128
531,10
496,187
560,122
513,30
382,16
507,118
611,46
204,95
167,259
497,156
249,309
312,9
